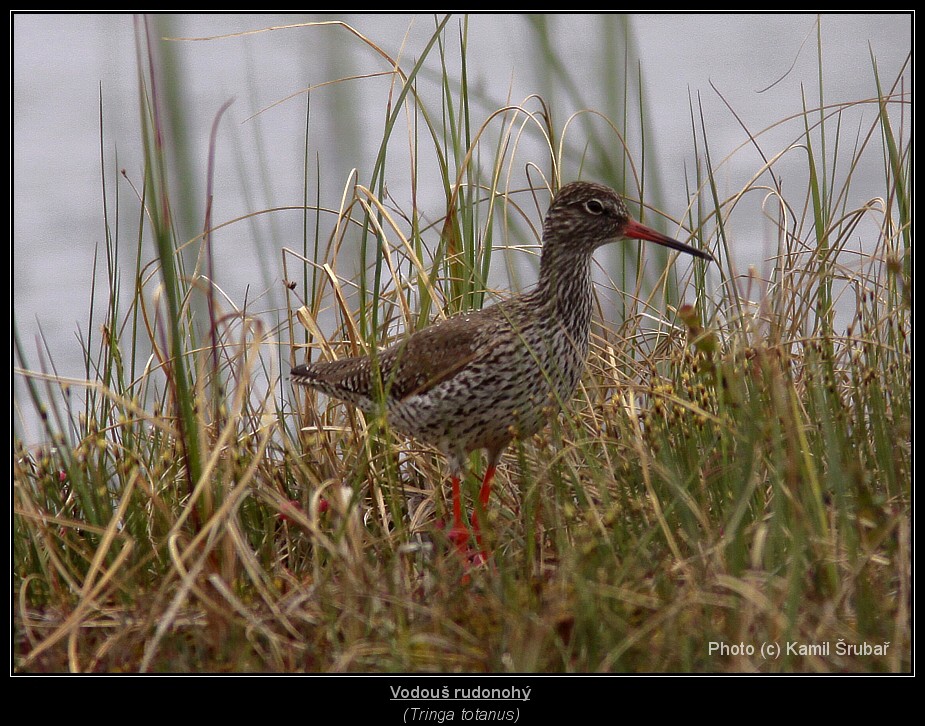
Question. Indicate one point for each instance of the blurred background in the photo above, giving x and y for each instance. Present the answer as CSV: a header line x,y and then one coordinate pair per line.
x,y
76,127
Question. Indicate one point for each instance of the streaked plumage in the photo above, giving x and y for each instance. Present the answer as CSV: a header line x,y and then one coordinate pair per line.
x,y
479,379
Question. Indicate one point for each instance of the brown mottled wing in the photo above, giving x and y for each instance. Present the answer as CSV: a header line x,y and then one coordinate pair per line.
x,y
430,356
412,366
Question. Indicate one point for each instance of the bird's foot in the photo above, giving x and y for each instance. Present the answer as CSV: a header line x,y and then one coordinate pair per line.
x,y
471,558
459,536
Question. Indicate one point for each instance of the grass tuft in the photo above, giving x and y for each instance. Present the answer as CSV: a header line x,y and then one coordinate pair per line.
x,y
735,467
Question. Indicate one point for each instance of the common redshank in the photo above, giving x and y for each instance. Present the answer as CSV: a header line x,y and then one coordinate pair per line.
x,y
478,380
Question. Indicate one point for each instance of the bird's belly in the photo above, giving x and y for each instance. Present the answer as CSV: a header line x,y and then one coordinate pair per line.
x,y
509,394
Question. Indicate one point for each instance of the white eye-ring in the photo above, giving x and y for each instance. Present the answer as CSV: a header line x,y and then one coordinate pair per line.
x,y
594,206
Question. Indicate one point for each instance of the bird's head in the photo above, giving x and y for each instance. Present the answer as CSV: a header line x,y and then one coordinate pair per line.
x,y
583,216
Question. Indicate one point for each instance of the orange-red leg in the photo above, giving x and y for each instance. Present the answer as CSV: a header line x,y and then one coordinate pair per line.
x,y
484,496
459,534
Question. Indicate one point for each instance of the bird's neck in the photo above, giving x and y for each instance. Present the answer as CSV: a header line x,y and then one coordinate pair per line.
x,y
564,289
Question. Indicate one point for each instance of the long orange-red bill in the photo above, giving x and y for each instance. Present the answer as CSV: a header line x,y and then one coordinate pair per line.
x,y
634,230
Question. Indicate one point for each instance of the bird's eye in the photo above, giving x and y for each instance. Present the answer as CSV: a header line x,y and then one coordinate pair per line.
x,y
594,206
